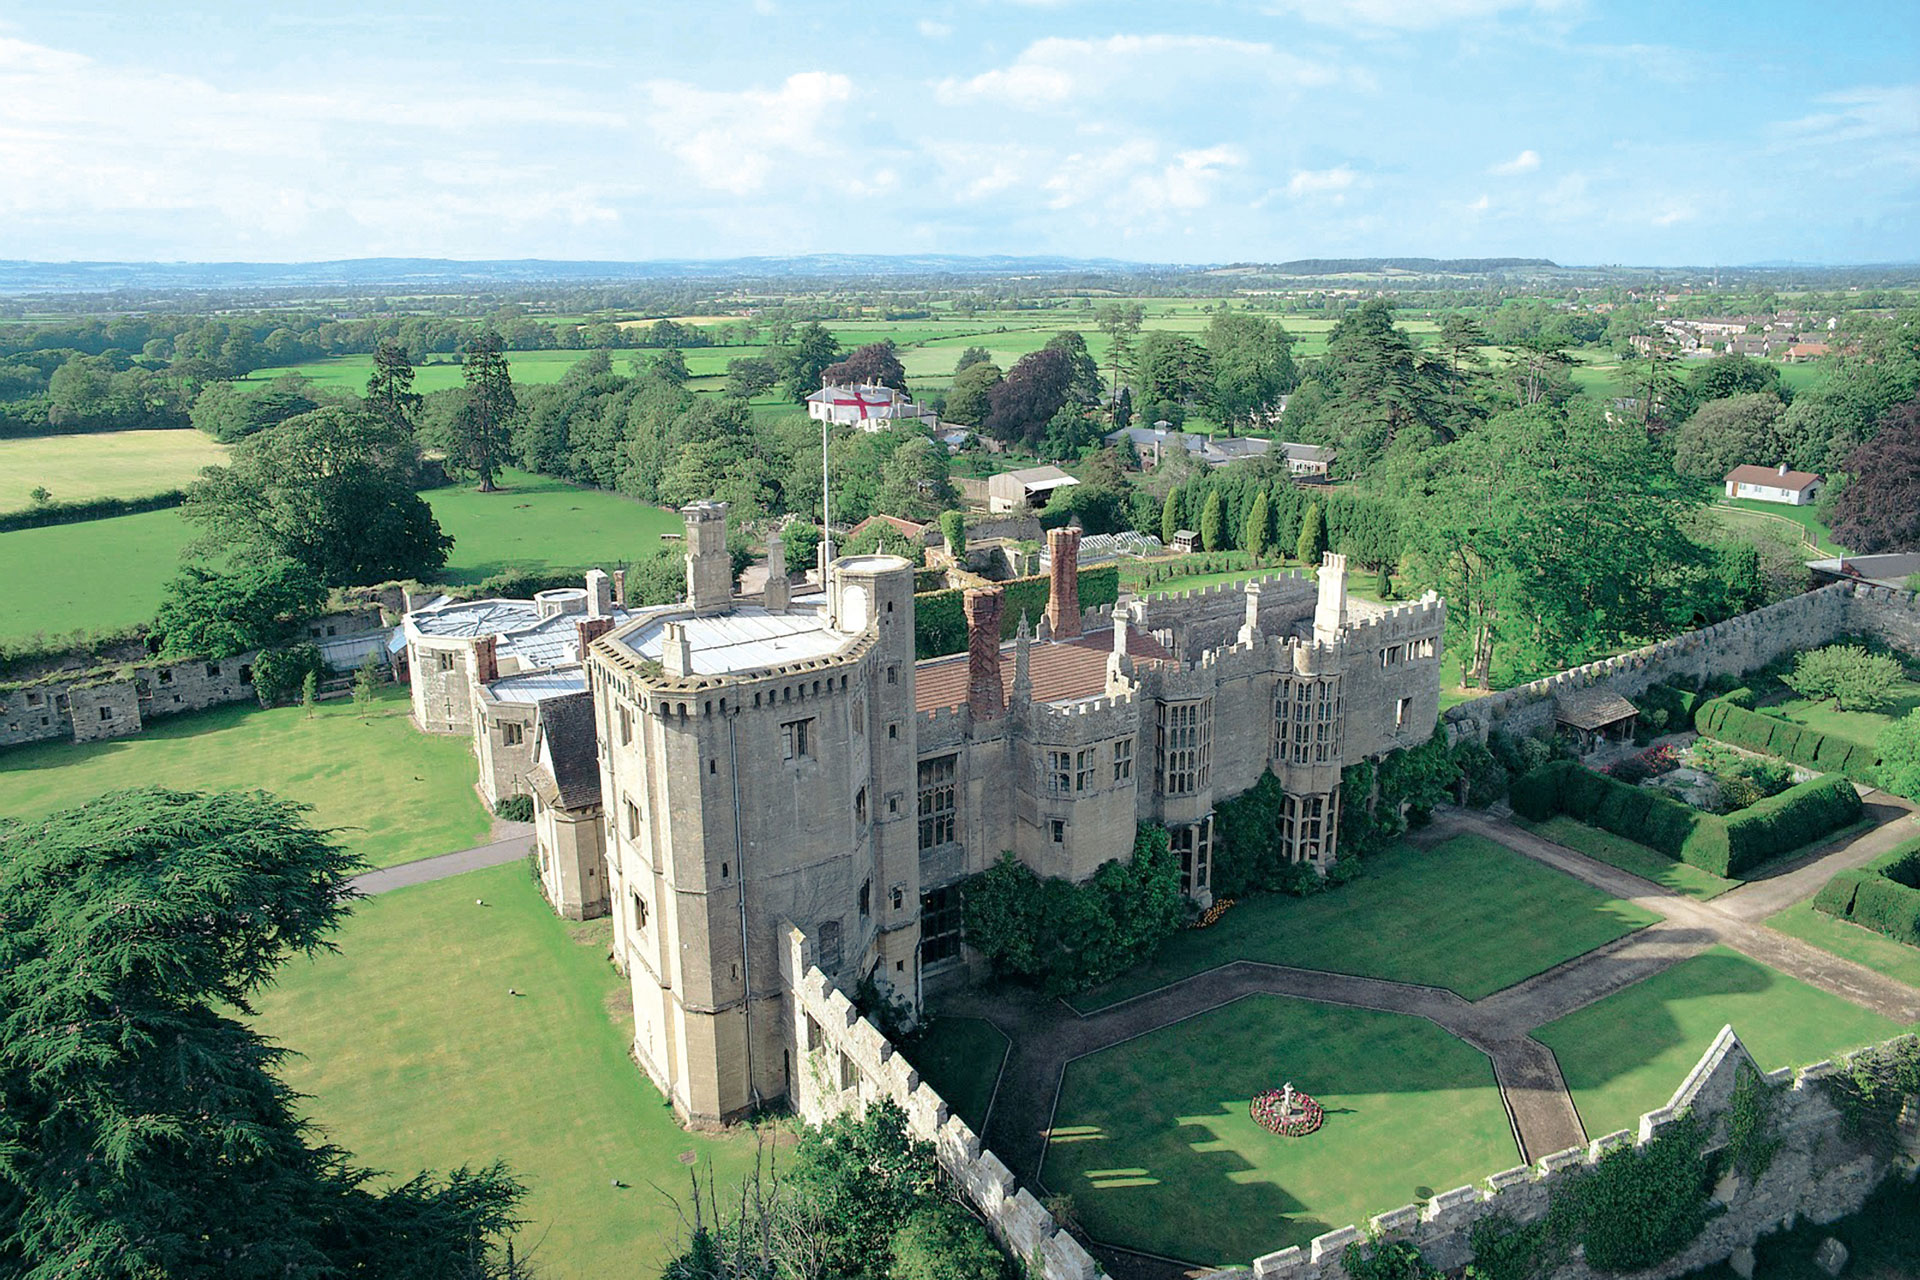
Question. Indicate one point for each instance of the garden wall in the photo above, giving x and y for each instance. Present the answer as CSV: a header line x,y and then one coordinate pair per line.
x,y
90,706
842,1063
1819,1173
1733,648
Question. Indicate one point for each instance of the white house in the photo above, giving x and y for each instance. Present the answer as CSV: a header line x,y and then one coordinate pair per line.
x,y
869,407
1774,484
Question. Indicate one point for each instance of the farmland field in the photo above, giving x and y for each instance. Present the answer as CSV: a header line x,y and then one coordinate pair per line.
x,y
108,464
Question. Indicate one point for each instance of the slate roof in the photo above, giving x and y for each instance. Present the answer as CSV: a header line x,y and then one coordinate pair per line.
x,y
1591,709
570,755
1060,670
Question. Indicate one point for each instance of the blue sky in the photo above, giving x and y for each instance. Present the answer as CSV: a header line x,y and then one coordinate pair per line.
x,y
1588,132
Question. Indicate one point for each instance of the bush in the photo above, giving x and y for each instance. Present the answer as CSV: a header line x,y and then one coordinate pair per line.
x,y
1795,817
514,809
50,513
1657,821
280,674
1676,705
1887,907
1855,679
1485,776
1836,895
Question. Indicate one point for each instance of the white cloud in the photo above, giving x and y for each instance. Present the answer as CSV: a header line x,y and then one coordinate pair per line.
x,y
934,30
1526,162
1318,182
1882,121
735,141
1481,205
1675,214
1056,71
1407,15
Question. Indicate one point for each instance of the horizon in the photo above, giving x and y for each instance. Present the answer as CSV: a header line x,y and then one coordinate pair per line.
x,y
1579,131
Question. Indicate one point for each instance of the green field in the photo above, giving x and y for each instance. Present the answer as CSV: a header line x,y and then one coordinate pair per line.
x,y
1648,864
101,574
1417,915
1862,727
395,793
350,373
1625,1055
1799,522
960,1060
1153,1140
109,464
415,1056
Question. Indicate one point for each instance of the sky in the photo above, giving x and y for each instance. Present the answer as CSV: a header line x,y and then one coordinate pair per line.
x,y
1717,132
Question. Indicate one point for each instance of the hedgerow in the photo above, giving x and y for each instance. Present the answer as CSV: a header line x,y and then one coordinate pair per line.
x,y
1725,720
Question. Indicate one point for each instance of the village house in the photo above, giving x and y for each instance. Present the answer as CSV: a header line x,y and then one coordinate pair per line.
x,y
868,406
1774,484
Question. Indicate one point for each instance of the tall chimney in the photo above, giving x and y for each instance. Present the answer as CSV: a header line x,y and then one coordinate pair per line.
x,y
774,596
676,651
1330,615
709,569
1063,592
599,594
486,659
619,588
984,695
591,629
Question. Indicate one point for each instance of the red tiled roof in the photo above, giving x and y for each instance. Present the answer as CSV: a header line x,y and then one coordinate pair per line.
x,y
905,528
1792,481
1060,670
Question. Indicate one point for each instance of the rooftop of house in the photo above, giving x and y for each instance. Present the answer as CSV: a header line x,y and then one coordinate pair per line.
x,y
531,641
1041,477
539,686
1058,670
1592,709
1889,570
745,638
570,759
905,528
1772,477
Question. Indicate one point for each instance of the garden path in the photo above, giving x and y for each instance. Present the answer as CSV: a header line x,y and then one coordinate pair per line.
x,y
1045,1035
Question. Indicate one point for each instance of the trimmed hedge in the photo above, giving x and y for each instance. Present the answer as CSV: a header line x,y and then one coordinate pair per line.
x,y
1679,704
1836,895
1880,896
1725,846
1726,720
51,513
940,620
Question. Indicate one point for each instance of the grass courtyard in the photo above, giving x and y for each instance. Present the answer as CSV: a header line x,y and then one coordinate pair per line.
x,y
1153,1140
108,464
542,524
414,1056
400,794
1861,727
1618,851
1417,915
1626,1054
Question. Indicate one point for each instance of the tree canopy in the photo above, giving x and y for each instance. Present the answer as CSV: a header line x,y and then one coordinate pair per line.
x,y
254,603
1878,508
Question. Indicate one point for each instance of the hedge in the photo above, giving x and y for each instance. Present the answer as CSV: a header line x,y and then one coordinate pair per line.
x,y
51,513
1836,895
1726,720
1880,896
1679,704
940,620
1797,816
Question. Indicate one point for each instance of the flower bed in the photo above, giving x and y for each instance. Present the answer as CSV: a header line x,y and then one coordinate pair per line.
x,y
1298,1123
1211,916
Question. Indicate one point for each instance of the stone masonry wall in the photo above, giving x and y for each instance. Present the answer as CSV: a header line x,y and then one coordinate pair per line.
x,y
1733,647
842,1063
72,708
1818,1173
1204,618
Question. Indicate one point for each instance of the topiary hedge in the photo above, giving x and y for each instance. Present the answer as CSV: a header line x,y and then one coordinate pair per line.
x,y
1726,720
940,620
1679,704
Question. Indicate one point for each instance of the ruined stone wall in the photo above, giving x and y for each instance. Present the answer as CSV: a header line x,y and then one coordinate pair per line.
x,y
93,706
1733,647
842,1063
1818,1173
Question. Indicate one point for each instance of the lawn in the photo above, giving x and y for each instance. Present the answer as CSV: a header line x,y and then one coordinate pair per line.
x,y
1625,1055
108,464
1648,864
1862,727
1801,521
1153,1140
94,575
399,794
960,1059
1468,914
350,373
1849,941
543,524
415,1056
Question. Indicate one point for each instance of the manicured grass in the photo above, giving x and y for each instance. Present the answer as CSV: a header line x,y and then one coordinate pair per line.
x,y
398,793
415,1056
107,464
538,523
1626,1054
1862,727
91,576
1649,864
1468,914
960,1059
1849,941
1153,1140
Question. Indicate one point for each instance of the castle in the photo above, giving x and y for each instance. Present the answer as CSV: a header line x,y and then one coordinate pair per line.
x,y
717,773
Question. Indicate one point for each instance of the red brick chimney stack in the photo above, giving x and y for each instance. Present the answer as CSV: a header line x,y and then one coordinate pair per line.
x,y
619,588
486,659
1063,592
591,629
984,695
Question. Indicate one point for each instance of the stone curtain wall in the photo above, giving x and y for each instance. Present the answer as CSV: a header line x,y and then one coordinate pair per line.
x,y
1733,647
1818,1173
841,1062
71,708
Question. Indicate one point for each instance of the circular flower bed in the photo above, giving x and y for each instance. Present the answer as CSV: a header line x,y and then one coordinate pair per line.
x,y
1304,1117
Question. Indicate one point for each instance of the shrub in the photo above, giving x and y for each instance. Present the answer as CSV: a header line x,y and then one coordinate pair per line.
x,y
1797,816
1676,705
514,808
1836,895
1486,777
44,513
1657,821
279,674
1899,770
1887,907
1726,721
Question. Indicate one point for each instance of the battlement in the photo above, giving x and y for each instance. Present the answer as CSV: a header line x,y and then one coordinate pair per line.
x,y
1220,590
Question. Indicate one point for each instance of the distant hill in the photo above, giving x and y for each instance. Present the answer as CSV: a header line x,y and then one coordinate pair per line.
x,y
1378,266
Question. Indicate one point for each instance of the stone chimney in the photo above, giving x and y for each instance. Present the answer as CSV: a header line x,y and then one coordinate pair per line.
x,y
1250,628
676,651
775,594
1022,677
1330,615
983,607
486,659
709,569
619,588
591,629
1063,592
599,594
1783,468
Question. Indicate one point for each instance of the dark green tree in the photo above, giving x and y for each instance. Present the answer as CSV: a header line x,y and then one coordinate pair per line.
x,y
1213,522
1250,359
1257,539
1879,507
803,361
253,603
971,398
1313,537
483,427
390,394
144,1128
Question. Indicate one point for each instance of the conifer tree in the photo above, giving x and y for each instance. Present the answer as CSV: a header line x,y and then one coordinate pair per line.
x,y
1258,539
1213,521
1170,517
1313,538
